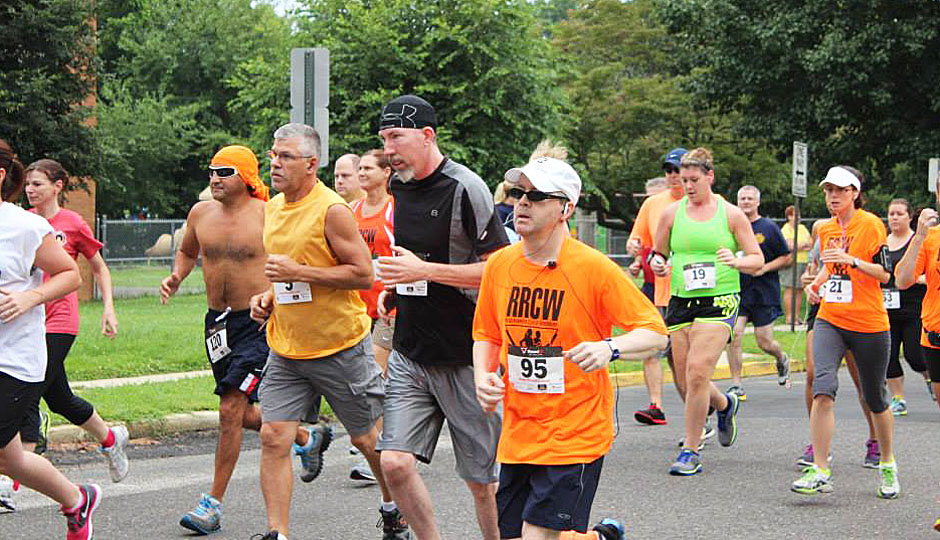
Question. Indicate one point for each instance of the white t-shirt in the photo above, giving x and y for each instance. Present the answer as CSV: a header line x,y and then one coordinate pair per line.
x,y
23,340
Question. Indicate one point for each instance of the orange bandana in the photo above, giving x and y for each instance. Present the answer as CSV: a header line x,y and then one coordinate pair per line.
x,y
245,162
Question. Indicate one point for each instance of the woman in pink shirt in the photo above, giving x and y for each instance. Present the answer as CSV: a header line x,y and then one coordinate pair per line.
x,y
46,182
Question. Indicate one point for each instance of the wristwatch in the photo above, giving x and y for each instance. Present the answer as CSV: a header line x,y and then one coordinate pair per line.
x,y
614,350
854,262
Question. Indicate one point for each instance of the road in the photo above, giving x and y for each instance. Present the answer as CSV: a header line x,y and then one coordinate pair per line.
x,y
743,493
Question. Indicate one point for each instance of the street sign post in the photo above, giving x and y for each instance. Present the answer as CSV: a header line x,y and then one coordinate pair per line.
x,y
798,188
933,169
800,167
310,93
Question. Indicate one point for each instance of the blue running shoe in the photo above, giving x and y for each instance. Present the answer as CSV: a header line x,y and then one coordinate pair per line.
x,y
610,529
206,518
727,421
311,454
687,464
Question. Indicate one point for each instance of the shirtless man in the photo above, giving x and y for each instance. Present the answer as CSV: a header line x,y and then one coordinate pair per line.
x,y
227,231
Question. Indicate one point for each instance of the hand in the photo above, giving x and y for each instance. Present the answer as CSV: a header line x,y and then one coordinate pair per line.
x,y
405,267
806,278
109,323
812,295
659,265
837,256
381,307
635,268
760,271
168,287
14,304
261,306
928,218
634,246
490,391
726,257
282,269
589,355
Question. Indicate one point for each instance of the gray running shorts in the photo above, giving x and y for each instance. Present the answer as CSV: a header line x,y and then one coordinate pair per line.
x,y
383,333
350,380
871,356
418,400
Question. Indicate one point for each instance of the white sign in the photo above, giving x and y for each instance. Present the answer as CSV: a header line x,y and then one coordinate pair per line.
x,y
800,167
933,169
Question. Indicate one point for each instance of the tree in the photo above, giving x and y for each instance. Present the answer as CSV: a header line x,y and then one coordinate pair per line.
x,y
856,80
628,108
47,65
481,63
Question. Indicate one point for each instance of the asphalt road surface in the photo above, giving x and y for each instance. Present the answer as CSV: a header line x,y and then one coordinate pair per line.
x,y
743,493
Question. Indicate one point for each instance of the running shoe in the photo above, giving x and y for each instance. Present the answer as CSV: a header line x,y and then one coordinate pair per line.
x,y
651,416
936,525
273,535
353,451
707,433
362,472
738,390
727,421
78,520
311,454
610,529
43,443
898,406
206,518
118,465
8,489
890,487
808,458
687,464
783,370
813,481
393,525
872,455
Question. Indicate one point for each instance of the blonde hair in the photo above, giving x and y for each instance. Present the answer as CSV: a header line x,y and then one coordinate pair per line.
x,y
700,157
499,194
550,148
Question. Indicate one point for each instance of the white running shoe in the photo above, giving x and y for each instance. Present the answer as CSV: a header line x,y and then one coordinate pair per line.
x,y
118,464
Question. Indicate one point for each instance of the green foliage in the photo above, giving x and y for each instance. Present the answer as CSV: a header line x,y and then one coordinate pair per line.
x,y
629,108
46,65
856,80
479,62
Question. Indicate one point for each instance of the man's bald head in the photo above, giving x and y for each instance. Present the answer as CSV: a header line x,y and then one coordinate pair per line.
x,y
346,177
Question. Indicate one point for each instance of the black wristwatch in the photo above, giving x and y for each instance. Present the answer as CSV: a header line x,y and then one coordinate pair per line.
x,y
614,351
854,262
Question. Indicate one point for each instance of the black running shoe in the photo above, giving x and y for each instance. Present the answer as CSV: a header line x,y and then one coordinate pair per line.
x,y
393,525
651,416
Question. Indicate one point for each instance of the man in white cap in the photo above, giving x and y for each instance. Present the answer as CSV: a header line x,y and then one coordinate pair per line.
x,y
545,314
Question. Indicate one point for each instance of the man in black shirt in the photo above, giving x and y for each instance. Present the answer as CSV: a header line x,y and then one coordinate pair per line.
x,y
445,227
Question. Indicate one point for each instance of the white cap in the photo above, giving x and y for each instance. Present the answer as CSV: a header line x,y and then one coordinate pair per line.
x,y
840,177
549,175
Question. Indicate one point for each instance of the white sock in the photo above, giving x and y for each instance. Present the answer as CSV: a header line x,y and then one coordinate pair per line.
x,y
389,506
81,501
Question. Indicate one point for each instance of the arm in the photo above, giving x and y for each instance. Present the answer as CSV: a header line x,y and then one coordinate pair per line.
x,y
406,267
185,259
753,258
658,262
64,278
109,323
638,344
354,268
904,273
839,256
490,388
775,264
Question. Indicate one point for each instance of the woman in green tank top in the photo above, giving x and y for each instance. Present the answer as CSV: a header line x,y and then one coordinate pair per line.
x,y
702,234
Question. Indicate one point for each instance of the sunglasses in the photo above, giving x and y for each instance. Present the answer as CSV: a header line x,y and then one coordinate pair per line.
x,y
223,172
670,168
534,195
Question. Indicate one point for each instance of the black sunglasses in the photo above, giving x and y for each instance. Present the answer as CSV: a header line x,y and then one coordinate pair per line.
x,y
223,172
670,168
534,195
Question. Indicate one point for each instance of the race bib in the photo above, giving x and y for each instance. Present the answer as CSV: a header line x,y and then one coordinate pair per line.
x,y
293,293
699,276
839,290
217,342
892,298
537,370
418,288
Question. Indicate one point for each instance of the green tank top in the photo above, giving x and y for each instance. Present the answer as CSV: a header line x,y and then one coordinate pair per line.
x,y
696,271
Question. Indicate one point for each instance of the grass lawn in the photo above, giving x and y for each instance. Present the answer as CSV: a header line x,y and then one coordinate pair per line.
x,y
152,338
148,276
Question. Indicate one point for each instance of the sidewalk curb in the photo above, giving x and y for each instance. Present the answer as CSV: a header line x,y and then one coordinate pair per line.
x,y
198,420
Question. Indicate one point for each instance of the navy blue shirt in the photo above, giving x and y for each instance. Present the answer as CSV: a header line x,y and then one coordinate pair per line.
x,y
765,289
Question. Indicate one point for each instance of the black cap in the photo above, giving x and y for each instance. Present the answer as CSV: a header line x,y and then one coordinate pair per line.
x,y
409,112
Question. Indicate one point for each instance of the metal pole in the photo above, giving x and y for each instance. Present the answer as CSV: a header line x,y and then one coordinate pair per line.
x,y
796,251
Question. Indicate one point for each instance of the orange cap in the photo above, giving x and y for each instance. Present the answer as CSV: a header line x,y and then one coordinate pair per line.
x,y
245,162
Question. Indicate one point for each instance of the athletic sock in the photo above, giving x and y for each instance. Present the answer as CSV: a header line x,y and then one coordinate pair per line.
x,y
889,463
81,502
574,535
389,506
108,441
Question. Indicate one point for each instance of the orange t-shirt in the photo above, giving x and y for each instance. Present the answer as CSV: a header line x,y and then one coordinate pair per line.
x,y
378,231
534,313
644,228
863,238
928,264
